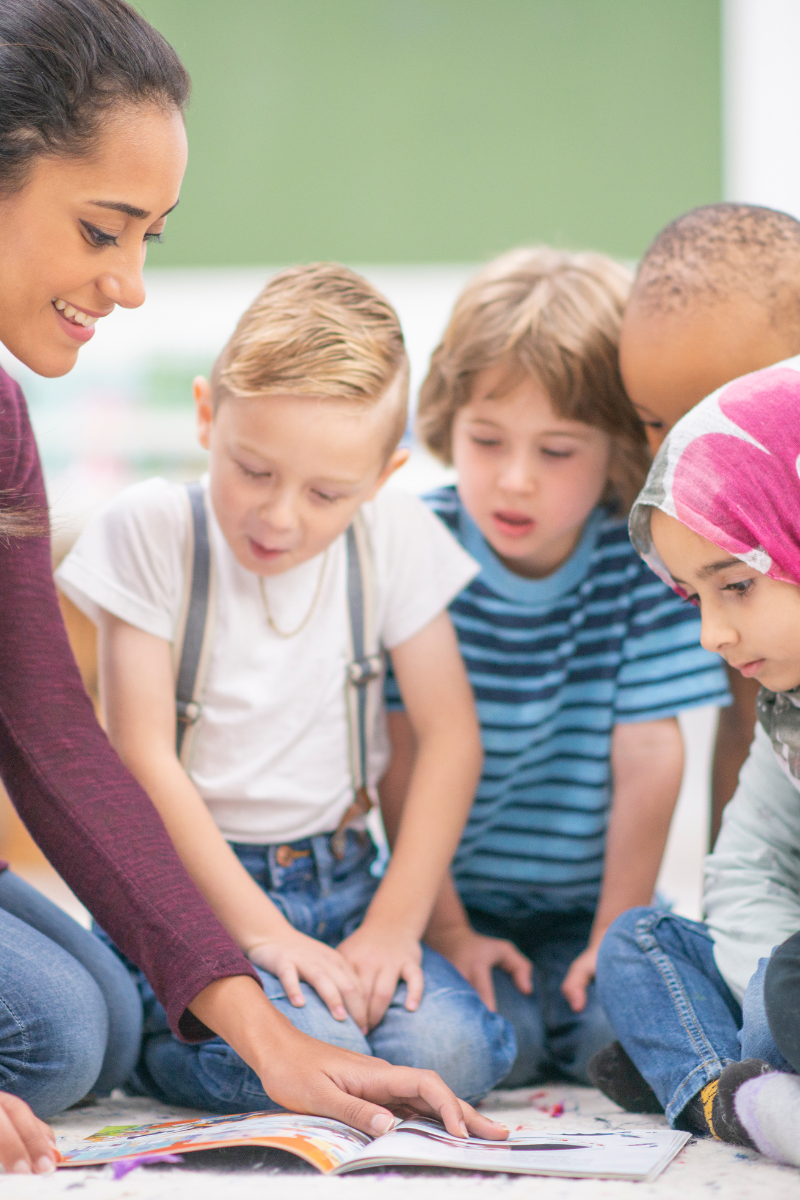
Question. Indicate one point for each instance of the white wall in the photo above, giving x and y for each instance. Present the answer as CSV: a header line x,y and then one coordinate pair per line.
x,y
761,72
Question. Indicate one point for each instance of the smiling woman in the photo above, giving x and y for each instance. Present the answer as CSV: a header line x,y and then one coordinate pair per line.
x,y
92,154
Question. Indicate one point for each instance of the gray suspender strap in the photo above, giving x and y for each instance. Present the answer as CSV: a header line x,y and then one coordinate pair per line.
x,y
187,705
361,671
193,651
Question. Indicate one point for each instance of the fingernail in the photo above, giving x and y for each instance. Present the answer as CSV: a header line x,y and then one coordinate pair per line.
x,y
340,1014
45,1166
382,1123
463,1128
21,1168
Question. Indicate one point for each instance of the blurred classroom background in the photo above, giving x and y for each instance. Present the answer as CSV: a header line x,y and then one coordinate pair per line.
x,y
413,139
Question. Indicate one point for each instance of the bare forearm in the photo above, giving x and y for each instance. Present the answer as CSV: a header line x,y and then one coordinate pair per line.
x,y
439,797
448,912
647,767
239,1012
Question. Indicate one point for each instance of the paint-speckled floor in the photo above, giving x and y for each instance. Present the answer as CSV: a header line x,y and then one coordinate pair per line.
x,y
704,1169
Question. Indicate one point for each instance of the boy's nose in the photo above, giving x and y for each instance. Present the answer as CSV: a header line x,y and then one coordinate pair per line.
x,y
279,512
516,476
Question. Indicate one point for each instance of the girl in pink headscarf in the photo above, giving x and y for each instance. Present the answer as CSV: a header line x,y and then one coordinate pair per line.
x,y
708,1014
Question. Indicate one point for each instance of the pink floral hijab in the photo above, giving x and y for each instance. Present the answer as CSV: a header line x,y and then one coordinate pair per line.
x,y
730,471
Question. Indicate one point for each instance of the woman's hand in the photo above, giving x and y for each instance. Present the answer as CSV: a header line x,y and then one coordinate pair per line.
x,y
27,1145
292,956
381,957
578,977
475,956
311,1077
308,1076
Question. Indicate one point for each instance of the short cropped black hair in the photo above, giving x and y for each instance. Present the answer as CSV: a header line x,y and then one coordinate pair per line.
x,y
719,251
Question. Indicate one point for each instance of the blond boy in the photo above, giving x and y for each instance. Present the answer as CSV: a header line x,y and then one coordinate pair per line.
x,y
301,419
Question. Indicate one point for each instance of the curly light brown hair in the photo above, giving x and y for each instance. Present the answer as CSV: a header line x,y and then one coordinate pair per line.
x,y
555,316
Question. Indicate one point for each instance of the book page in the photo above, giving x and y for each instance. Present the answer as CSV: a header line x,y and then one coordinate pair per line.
x,y
642,1154
323,1143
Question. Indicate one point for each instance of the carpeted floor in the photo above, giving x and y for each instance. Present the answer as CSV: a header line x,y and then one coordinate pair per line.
x,y
703,1170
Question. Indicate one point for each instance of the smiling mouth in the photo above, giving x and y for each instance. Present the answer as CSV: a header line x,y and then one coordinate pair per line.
x,y
75,316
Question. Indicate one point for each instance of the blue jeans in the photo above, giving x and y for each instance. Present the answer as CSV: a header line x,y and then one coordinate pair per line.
x,y
551,1038
452,1032
70,1015
672,1011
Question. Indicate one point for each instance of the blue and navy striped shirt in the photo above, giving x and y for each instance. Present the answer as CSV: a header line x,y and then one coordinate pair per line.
x,y
555,664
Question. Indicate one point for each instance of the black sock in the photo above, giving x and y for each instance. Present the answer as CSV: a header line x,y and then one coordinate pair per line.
x,y
613,1073
712,1110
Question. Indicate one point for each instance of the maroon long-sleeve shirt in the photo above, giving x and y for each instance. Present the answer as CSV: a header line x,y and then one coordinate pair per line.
x,y
98,828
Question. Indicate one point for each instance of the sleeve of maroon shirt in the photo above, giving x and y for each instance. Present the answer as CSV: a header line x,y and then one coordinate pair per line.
x,y
97,827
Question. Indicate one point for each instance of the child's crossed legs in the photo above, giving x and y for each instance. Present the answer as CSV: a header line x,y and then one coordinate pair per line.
x,y
452,1032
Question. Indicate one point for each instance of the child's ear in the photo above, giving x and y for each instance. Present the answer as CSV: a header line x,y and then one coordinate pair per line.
x,y
201,390
398,459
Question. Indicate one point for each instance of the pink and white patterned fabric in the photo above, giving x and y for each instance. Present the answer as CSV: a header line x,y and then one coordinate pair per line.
x,y
729,470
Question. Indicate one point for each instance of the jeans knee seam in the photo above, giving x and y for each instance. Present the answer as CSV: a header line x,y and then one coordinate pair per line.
x,y
23,1034
648,944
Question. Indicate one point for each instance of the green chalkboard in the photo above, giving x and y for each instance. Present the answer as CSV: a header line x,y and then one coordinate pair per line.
x,y
440,130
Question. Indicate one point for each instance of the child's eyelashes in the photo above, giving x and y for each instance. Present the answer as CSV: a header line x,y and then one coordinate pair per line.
x,y
154,237
326,496
489,443
549,452
740,588
253,474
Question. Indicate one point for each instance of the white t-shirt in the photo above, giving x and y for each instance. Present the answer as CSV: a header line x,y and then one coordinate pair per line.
x,y
271,751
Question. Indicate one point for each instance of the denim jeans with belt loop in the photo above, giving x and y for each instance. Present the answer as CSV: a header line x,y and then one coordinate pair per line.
x,y
452,1032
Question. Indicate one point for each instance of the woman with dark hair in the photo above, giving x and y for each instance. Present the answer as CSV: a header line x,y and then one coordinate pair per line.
x,y
92,153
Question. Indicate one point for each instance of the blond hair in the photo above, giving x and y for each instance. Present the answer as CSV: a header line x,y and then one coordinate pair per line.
x,y
317,330
554,316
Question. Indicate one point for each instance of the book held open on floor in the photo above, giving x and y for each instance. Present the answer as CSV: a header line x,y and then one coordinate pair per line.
x,y
335,1149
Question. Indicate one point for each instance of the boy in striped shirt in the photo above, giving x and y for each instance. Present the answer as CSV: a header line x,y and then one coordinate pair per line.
x,y
579,657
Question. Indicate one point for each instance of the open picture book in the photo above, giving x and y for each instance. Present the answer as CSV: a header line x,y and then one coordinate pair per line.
x,y
334,1148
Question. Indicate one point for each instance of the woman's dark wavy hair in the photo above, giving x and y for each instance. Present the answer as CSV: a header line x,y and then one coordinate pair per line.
x,y
63,65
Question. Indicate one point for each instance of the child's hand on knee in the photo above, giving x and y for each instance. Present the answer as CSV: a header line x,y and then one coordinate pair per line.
x,y
475,956
578,978
292,956
381,957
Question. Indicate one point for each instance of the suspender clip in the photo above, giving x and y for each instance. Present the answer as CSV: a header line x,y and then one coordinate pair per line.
x,y
187,712
362,671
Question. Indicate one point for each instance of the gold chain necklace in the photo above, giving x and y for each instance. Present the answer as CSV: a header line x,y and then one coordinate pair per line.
x,y
284,633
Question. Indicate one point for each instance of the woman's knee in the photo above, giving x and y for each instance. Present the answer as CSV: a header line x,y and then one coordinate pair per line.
x,y
53,1035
